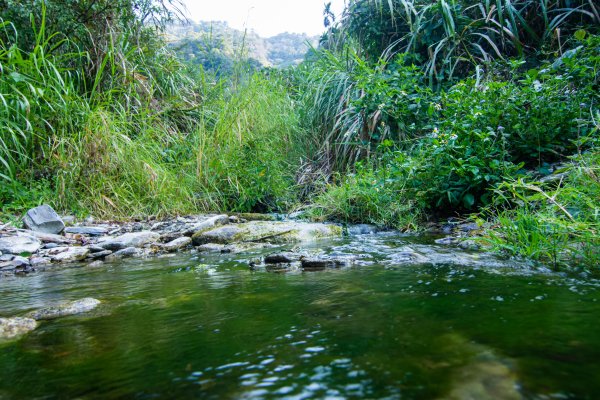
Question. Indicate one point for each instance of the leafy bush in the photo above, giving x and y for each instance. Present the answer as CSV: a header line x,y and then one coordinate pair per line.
x,y
556,221
450,37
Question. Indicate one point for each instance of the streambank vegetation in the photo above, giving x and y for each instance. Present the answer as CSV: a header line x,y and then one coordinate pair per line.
x,y
406,112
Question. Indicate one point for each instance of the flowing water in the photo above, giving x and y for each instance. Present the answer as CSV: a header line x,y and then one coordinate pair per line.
x,y
207,326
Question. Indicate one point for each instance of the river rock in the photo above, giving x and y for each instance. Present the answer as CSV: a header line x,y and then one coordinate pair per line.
x,y
211,248
87,230
206,224
362,229
65,309
69,254
100,254
133,239
270,232
39,261
96,264
6,266
438,255
6,257
177,244
283,257
19,244
43,219
449,240
11,328
323,262
124,253
19,262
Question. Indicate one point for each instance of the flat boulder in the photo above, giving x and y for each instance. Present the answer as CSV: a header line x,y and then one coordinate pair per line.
x,y
87,230
177,244
65,309
133,239
205,224
276,232
283,257
11,328
19,244
69,254
43,219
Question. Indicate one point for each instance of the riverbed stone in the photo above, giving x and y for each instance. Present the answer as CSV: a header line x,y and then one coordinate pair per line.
x,y
6,257
96,264
270,232
133,239
210,248
100,254
323,262
6,266
69,254
65,309
128,252
19,244
11,328
177,244
282,257
87,230
43,219
449,240
362,229
208,223
19,261
37,262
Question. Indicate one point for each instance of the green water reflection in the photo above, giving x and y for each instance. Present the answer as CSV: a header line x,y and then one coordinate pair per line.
x,y
209,327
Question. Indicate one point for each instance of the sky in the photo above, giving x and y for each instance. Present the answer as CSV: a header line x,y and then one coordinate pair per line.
x,y
265,17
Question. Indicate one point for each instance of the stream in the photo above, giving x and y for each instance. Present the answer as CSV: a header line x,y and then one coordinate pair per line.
x,y
210,326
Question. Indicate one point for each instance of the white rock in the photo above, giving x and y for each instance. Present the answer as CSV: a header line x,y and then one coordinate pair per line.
x,y
65,309
207,223
133,239
69,254
177,244
19,244
13,327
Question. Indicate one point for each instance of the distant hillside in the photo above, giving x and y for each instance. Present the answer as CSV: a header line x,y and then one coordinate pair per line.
x,y
215,45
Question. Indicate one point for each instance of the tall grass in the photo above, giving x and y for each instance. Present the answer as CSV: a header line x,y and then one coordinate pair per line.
x,y
144,135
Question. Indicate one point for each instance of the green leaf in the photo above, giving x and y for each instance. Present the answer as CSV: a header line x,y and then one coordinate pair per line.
x,y
580,34
468,200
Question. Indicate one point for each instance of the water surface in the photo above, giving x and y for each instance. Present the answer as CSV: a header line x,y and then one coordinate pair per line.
x,y
207,326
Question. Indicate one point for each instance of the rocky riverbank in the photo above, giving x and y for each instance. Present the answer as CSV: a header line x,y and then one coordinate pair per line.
x,y
46,240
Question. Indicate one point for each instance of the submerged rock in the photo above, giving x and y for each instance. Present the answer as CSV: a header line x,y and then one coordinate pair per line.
x,y
43,219
437,255
19,244
283,257
270,232
323,262
211,248
11,328
100,254
39,261
362,229
65,309
133,239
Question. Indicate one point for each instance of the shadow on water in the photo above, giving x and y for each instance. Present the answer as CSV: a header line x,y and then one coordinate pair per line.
x,y
207,326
